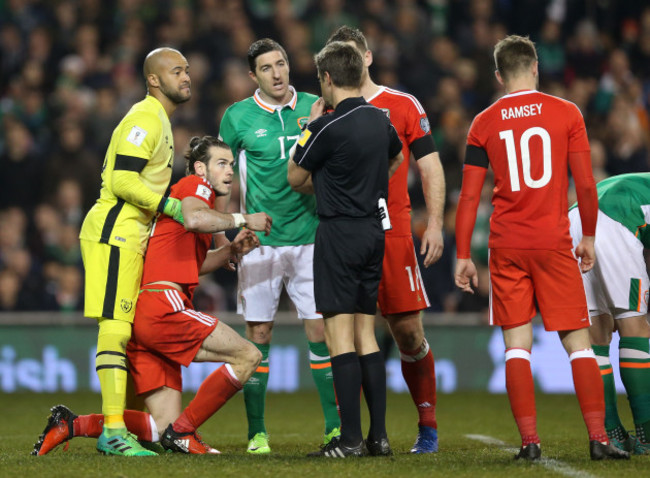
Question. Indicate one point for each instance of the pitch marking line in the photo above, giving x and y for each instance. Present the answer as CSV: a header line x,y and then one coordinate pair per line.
x,y
553,465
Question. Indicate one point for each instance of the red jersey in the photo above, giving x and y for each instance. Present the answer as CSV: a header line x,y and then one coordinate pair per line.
x,y
175,254
527,137
410,121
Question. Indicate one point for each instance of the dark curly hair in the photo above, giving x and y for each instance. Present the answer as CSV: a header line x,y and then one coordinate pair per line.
x,y
198,151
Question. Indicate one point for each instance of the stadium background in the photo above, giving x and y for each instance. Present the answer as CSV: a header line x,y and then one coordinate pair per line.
x,y
70,69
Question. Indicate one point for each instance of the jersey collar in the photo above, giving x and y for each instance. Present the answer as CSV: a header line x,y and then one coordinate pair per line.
x,y
379,92
271,108
519,93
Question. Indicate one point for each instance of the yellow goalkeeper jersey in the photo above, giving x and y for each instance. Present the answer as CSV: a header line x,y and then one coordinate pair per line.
x,y
136,173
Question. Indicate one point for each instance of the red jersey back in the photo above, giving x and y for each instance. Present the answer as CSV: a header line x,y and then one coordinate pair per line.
x,y
410,121
527,136
175,254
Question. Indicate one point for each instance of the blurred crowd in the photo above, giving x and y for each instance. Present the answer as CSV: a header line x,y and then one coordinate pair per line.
x,y
70,69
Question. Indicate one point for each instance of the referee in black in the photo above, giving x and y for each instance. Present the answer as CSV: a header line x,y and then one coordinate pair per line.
x,y
346,158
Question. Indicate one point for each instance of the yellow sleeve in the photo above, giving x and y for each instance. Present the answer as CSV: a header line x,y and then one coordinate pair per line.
x,y
140,134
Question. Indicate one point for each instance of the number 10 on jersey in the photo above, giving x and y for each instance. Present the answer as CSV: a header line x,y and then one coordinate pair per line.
x,y
524,146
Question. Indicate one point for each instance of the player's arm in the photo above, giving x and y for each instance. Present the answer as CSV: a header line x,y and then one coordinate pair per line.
x,y
134,150
580,164
474,172
126,184
199,217
245,242
433,189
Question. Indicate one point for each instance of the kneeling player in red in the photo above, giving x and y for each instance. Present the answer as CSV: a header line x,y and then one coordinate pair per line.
x,y
168,332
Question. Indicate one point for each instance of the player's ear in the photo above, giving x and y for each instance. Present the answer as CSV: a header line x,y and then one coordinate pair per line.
x,y
153,81
199,169
498,76
253,76
367,58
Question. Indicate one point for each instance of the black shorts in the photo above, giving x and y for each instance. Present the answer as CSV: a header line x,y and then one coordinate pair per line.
x,y
348,257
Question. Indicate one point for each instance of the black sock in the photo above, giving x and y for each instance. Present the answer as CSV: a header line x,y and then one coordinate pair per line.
x,y
373,373
347,383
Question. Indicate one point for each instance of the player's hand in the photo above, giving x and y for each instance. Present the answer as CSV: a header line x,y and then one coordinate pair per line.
x,y
317,110
432,244
221,240
174,210
245,241
587,253
260,221
466,275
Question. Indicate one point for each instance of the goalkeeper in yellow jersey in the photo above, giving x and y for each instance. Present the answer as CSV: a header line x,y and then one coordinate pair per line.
x,y
136,173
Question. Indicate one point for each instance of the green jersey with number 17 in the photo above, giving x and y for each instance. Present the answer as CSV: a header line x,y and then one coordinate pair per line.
x,y
260,136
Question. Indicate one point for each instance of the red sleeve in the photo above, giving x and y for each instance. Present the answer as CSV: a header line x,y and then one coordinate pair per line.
x,y
578,140
470,196
417,123
193,186
580,164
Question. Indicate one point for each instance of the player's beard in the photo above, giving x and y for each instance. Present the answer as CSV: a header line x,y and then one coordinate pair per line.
x,y
176,97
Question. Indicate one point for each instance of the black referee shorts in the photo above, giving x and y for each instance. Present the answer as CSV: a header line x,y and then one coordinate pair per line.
x,y
348,257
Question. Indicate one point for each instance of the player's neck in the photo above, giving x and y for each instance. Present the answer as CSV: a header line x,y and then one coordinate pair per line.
x,y
168,105
369,88
340,94
520,83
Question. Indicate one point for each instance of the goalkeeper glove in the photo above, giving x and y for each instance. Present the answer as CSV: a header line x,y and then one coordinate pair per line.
x,y
173,209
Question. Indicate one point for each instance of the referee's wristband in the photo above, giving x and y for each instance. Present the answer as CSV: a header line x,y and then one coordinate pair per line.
x,y
239,219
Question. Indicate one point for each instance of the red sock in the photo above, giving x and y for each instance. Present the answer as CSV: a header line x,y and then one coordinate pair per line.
x,y
92,425
88,425
589,390
139,423
521,393
419,373
212,394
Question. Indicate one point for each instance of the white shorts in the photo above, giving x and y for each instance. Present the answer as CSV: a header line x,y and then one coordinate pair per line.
x,y
618,283
263,271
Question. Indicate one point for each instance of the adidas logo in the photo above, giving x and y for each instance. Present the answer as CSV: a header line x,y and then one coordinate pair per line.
x,y
260,133
424,405
184,444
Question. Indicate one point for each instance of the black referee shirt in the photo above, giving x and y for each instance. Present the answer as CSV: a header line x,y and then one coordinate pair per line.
x,y
347,152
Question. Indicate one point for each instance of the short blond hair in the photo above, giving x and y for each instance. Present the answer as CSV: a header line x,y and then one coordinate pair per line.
x,y
514,54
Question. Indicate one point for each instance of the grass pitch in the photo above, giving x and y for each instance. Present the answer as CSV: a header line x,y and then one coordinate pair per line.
x,y
295,425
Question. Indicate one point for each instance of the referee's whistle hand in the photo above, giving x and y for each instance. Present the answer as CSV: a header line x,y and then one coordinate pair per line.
x,y
317,109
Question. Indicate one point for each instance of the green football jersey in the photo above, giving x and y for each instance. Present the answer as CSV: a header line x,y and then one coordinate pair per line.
x,y
261,136
626,199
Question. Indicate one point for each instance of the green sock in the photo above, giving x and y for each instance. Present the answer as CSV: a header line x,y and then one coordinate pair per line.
x,y
612,420
634,361
255,393
321,370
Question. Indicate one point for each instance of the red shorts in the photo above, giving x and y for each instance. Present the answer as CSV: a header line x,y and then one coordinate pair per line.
x,y
521,277
167,333
401,288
